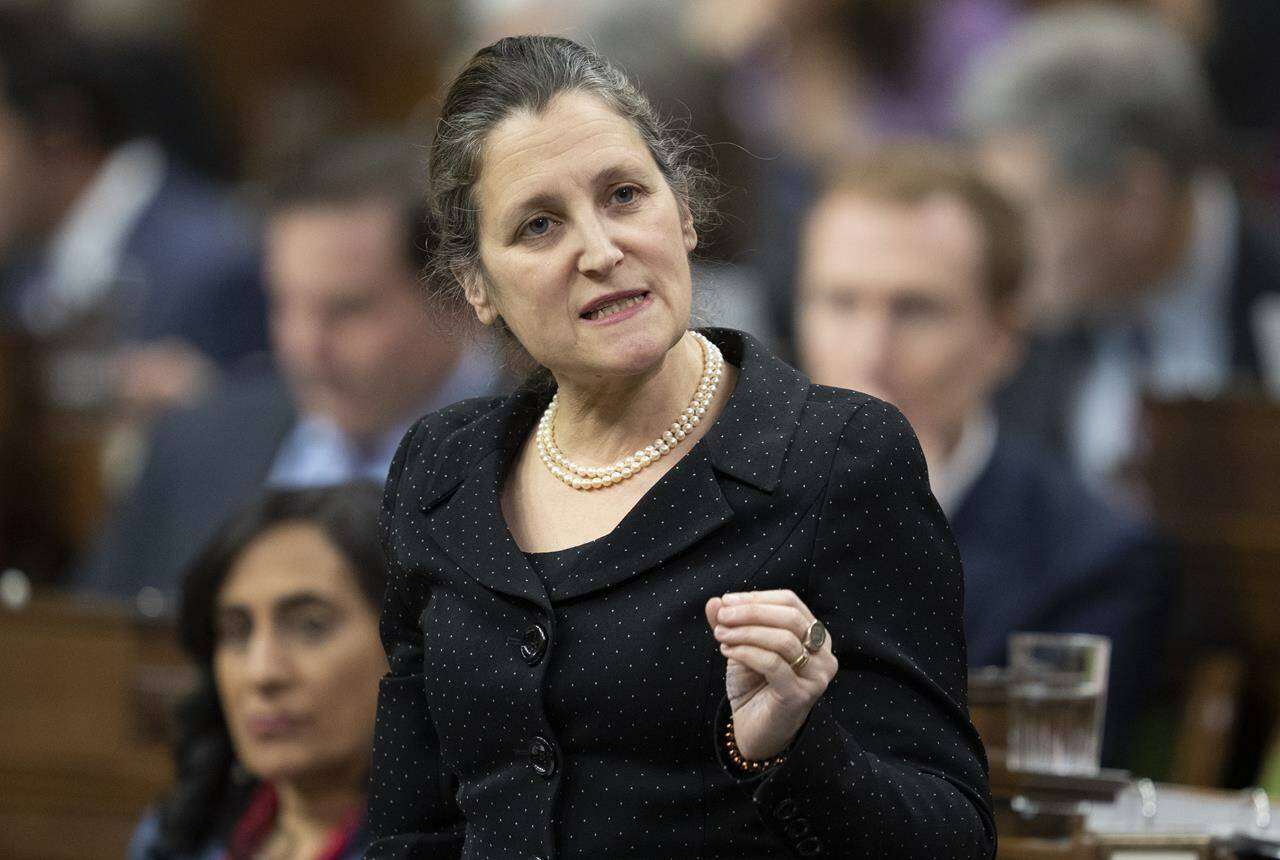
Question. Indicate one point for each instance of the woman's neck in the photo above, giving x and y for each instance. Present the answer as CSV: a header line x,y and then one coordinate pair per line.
x,y
306,816
598,424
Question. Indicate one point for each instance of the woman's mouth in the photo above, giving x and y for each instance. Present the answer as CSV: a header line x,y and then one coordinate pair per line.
x,y
616,309
266,727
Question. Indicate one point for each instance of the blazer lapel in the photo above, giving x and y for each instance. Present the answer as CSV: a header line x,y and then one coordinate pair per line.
x,y
461,502
470,529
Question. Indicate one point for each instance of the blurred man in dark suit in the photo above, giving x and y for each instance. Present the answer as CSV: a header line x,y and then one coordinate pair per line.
x,y
911,267
1148,276
360,355
112,254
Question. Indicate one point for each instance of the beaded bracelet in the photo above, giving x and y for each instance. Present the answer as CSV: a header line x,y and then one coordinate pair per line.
x,y
746,765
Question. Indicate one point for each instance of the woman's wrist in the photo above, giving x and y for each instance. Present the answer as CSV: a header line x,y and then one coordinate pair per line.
x,y
742,764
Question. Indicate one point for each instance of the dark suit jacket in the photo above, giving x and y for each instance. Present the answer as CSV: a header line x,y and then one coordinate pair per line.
x,y
202,465
1058,364
1043,554
189,269
196,262
587,722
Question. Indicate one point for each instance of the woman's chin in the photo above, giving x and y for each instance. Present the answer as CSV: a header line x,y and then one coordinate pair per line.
x,y
638,353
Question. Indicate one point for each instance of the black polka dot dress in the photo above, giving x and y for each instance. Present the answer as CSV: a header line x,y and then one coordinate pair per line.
x,y
578,715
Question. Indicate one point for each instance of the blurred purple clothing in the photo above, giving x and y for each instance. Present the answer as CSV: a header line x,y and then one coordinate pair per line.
x,y
954,33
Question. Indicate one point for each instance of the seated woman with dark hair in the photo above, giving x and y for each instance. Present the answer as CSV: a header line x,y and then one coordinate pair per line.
x,y
280,614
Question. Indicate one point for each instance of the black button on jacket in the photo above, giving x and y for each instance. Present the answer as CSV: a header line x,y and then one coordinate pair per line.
x,y
609,745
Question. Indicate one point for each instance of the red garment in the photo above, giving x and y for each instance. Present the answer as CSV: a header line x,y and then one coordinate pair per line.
x,y
259,819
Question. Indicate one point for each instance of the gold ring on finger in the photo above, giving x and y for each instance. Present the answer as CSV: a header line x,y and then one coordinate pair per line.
x,y
798,663
814,637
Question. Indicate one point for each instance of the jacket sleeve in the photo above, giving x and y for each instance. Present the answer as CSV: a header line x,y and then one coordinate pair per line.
x,y
412,811
887,764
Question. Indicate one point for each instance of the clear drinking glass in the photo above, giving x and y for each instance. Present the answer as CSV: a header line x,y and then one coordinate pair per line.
x,y
1057,697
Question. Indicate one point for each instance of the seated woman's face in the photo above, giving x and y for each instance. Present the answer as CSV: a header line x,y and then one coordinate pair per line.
x,y
583,244
298,660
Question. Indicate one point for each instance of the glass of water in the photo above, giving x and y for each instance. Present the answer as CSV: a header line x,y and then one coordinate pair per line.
x,y
1057,698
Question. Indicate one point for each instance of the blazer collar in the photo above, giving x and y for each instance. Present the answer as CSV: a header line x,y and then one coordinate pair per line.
x,y
751,437
749,443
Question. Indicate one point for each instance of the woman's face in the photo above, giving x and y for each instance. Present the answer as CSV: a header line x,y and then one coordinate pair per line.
x,y
298,660
583,245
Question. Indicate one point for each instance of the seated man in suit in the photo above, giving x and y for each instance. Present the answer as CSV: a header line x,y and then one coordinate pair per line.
x,y
361,352
908,286
1149,276
110,249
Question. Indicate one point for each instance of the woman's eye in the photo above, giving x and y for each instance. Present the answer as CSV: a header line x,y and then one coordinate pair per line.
x,y
311,627
232,632
626,194
537,226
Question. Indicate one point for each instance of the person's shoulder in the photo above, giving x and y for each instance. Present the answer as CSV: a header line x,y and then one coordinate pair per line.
x,y
847,398
1044,487
441,447
242,406
462,418
461,431
185,199
860,416
773,379
869,440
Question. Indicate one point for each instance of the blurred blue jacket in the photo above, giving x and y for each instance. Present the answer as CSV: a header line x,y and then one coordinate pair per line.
x,y
1042,553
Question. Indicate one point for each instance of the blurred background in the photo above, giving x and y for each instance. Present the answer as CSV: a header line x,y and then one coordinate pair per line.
x,y
173,337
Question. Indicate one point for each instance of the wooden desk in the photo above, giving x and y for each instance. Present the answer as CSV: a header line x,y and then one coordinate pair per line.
x,y
1212,472
1189,824
82,752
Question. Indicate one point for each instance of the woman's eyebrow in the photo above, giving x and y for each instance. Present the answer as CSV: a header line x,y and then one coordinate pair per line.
x,y
618,172
301,600
537,200
550,199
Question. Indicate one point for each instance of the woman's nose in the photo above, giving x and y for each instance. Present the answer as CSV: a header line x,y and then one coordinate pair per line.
x,y
266,663
600,254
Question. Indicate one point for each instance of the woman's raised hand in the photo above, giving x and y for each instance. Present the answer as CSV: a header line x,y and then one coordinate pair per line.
x,y
771,687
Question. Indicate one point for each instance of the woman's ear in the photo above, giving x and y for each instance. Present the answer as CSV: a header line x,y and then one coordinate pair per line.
x,y
477,293
689,233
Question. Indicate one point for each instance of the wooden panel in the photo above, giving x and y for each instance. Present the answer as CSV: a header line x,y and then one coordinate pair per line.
x,y
35,535
1216,459
81,752
1212,473
291,73
1209,720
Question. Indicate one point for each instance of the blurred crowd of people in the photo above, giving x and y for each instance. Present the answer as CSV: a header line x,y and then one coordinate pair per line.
x,y
1013,220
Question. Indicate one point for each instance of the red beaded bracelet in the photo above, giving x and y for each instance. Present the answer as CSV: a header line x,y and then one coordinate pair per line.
x,y
746,765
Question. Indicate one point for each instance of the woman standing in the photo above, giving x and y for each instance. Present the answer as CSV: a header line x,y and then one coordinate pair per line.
x,y
602,621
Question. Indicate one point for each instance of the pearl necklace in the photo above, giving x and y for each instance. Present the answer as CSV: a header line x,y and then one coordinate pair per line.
x,y
596,477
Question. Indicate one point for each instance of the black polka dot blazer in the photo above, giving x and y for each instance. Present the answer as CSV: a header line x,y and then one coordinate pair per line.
x,y
584,722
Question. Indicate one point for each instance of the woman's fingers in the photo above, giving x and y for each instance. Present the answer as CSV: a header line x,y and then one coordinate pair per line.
x,y
788,618
780,596
776,639
712,610
779,608
775,669
819,667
